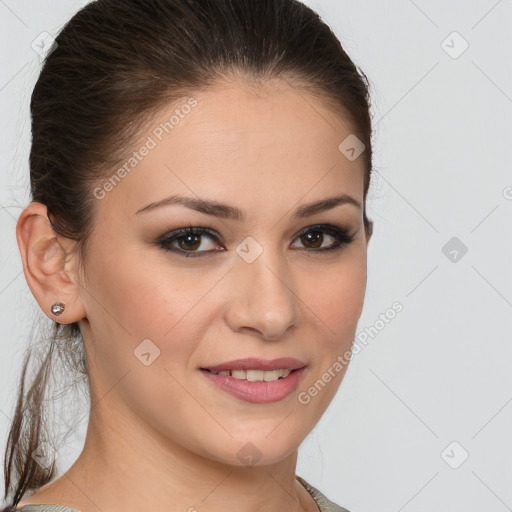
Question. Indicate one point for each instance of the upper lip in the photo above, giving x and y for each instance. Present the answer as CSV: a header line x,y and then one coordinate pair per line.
x,y
251,363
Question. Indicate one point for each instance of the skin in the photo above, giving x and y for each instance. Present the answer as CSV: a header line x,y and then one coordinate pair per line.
x,y
162,436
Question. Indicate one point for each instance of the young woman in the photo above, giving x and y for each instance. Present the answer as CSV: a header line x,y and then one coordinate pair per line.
x,y
198,236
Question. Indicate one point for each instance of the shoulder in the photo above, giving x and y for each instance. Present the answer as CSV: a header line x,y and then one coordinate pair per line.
x,y
324,504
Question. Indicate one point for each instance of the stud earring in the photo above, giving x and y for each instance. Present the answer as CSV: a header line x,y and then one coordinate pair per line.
x,y
58,308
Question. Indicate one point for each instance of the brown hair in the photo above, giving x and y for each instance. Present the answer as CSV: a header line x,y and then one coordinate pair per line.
x,y
114,64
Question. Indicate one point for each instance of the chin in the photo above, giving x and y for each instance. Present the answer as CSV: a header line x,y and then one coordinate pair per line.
x,y
259,451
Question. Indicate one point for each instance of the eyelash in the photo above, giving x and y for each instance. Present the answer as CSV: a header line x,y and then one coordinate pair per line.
x,y
341,236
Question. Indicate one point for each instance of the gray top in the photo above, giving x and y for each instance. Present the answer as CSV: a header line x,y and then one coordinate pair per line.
x,y
324,504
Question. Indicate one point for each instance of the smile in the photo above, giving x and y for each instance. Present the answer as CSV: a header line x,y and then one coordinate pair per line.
x,y
256,386
256,375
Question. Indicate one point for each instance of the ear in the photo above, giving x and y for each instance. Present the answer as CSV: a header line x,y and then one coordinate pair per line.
x,y
50,264
369,231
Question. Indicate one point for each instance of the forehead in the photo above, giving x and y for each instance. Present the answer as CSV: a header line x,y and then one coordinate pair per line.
x,y
267,112
270,141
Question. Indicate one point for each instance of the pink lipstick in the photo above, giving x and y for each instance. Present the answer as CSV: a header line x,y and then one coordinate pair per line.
x,y
257,380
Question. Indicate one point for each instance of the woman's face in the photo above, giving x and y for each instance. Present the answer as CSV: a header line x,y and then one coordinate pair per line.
x,y
259,283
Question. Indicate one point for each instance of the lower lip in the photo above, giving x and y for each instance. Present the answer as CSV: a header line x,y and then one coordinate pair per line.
x,y
257,392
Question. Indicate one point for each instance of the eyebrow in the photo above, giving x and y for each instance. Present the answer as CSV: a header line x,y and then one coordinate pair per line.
x,y
216,209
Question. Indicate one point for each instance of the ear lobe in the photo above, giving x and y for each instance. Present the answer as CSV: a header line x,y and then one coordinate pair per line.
x,y
45,261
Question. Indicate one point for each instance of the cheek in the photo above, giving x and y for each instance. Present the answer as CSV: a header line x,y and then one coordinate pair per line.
x,y
136,292
140,299
146,321
337,299
334,308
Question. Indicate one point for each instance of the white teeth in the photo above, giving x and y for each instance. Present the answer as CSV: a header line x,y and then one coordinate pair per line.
x,y
256,375
239,374
272,375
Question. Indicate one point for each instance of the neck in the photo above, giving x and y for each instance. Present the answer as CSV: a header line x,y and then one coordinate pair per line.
x,y
125,466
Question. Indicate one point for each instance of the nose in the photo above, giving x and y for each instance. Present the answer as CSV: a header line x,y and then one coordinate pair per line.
x,y
263,300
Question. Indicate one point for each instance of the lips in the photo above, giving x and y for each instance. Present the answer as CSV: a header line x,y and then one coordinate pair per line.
x,y
251,363
257,392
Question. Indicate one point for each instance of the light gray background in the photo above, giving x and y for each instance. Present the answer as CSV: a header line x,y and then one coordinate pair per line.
x,y
439,372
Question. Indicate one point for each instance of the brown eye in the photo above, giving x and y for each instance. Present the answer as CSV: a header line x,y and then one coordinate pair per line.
x,y
313,239
189,241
